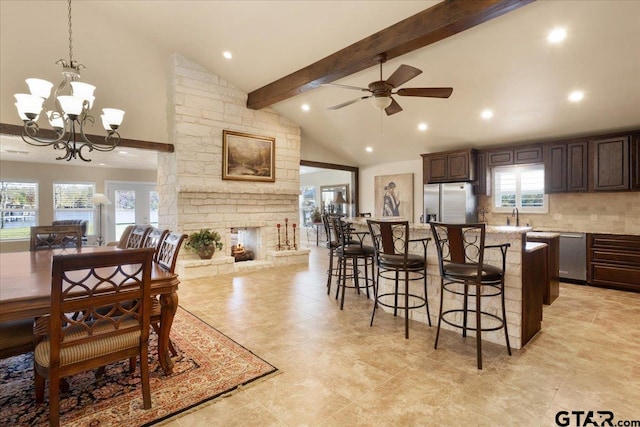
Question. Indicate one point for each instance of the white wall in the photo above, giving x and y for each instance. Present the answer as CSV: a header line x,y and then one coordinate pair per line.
x,y
367,177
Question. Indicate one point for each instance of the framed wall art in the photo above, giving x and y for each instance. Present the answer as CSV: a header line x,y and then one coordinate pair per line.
x,y
394,196
248,157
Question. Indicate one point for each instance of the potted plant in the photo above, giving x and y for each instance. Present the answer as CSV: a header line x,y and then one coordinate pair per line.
x,y
315,215
204,243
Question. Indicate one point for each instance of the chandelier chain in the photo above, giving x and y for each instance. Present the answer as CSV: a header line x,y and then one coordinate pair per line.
x,y
70,36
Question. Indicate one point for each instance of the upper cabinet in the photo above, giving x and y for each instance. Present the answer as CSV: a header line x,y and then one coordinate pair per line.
x,y
450,166
611,164
566,167
515,155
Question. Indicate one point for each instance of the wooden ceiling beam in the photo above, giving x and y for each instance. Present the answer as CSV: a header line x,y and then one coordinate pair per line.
x,y
429,26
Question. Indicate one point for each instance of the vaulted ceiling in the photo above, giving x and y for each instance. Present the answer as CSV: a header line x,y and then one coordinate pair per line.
x,y
505,65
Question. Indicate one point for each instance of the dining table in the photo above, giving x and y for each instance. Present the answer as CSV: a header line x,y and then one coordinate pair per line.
x,y
25,290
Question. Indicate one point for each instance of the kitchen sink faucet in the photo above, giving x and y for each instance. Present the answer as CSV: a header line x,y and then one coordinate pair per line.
x,y
517,215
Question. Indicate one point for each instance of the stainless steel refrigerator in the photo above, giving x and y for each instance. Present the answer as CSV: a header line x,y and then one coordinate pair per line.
x,y
452,203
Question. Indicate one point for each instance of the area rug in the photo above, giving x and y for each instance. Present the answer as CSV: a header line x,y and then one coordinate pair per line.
x,y
209,365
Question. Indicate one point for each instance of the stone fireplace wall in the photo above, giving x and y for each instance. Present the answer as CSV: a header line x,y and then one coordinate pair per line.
x,y
192,192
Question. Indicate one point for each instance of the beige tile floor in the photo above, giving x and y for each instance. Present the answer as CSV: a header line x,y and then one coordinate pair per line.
x,y
338,371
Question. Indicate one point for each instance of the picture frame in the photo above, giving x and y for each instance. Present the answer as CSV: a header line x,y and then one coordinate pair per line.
x,y
247,157
394,196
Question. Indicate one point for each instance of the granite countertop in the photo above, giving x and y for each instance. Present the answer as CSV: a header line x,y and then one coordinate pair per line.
x,y
531,246
543,234
493,229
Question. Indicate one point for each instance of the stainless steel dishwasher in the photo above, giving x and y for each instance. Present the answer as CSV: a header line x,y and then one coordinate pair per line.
x,y
573,256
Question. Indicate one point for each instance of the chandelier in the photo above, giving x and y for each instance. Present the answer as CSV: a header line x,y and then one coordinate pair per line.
x,y
69,113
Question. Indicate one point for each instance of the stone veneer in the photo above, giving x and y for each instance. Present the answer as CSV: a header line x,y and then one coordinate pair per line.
x,y
192,192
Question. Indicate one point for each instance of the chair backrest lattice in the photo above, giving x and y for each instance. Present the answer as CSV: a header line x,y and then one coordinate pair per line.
x,y
44,237
389,237
459,244
153,240
167,253
137,236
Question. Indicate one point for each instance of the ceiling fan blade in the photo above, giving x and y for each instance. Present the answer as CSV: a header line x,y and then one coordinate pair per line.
x,y
403,74
344,104
344,86
393,108
427,92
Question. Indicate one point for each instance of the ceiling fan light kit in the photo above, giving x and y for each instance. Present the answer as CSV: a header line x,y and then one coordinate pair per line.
x,y
69,113
382,90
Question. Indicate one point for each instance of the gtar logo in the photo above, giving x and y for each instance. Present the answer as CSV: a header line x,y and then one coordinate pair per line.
x,y
584,418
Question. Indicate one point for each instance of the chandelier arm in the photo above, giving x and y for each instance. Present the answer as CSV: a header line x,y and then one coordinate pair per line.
x,y
30,135
111,140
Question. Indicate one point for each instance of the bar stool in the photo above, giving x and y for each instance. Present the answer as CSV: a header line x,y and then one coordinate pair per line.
x,y
391,244
351,249
461,260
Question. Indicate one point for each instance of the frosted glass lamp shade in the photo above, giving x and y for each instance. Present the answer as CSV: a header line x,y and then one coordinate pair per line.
x,y
39,87
55,119
381,102
22,114
83,91
71,105
112,116
29,104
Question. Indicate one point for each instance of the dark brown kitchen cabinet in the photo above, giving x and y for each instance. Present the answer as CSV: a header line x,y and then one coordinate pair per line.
x,y
635,162
614,261
500,158
451,166
611,164
481,186
515,156
566,167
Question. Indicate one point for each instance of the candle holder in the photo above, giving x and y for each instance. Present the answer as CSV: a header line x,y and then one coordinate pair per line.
x,y
286,233
295,246
279,247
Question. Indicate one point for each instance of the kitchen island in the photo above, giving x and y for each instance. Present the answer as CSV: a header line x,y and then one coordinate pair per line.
x,y
524,283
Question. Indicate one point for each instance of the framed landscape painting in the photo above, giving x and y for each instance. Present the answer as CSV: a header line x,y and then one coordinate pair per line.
x,y
248,157
394,196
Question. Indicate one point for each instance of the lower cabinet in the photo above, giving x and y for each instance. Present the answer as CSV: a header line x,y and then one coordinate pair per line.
x,y
614,261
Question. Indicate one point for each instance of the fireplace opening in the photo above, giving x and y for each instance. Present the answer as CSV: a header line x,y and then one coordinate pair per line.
x,y
243,243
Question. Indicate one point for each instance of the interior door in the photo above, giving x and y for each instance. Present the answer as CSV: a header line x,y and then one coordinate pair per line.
x,y
132,203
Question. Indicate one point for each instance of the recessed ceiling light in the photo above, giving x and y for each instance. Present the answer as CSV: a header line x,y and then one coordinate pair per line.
x,y
422,126
369,149
557,35
486,114
227,54
101,164
305,107
122,152
576,96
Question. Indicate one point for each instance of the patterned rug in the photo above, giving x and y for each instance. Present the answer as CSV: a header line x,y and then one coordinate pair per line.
x,y
209,365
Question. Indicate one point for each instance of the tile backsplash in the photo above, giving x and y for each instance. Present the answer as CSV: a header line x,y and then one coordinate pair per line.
x,y
616,213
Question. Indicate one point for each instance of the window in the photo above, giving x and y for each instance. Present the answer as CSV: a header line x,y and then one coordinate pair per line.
x,y
520,187
71,201
18,209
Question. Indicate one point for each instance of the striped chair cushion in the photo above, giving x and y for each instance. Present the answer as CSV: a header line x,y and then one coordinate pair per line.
x,y
90,350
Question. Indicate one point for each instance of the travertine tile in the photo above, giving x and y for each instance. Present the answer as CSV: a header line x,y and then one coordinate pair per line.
x,y
336,370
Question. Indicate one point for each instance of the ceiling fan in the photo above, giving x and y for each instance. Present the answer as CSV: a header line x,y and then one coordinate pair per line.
x,y
382,90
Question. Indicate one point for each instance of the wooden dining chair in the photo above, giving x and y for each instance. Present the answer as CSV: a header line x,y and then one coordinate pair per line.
x,y
84,283
167,256
137,236
124,237
44,237
154,239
